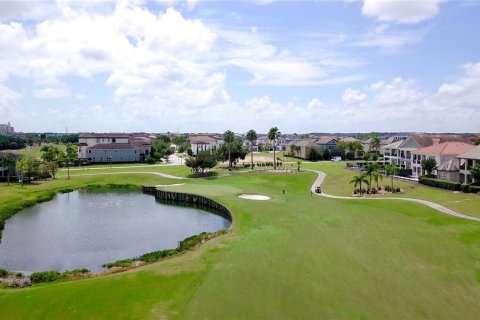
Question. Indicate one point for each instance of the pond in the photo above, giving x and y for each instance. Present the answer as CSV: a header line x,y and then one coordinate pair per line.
x,y
84,229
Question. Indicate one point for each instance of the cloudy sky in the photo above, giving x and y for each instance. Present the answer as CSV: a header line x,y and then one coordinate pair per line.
x,y
196,66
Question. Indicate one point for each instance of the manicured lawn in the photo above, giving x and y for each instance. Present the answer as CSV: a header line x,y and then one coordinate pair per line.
x,y
338,180
33,151
295,256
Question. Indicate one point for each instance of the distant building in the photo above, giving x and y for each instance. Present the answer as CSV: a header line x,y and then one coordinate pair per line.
x,y
6,129
113,147
204,142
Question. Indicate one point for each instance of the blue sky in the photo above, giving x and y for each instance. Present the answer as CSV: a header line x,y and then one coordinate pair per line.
x,y
197,66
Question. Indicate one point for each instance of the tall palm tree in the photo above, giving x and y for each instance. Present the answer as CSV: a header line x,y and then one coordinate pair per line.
x,y
9,162
251,136
229,138
371,170
391,170
357,181
272,135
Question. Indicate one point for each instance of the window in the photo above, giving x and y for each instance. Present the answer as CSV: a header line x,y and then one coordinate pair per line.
x,y
114,140
98,140
89,151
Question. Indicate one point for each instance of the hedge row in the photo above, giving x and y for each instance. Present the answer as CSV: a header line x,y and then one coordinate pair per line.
x,y
468,188
443,184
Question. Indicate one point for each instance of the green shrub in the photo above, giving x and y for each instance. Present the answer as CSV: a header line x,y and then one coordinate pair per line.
x,y
474,189
157,255
19,275
192,241
443,184
3,273
465,188
44,276
120,263
150,160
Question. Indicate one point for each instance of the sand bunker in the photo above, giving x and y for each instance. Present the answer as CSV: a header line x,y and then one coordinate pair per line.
x,y
254,197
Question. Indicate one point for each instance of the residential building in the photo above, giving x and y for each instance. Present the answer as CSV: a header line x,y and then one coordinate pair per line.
x,y
445,154
401,155
113,147
319,144
204,142
466,161
6,129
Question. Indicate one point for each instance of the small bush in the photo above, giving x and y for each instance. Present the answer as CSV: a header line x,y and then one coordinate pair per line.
x,y
465,188
398,190
150,160
443,184
120,264
474,189
157,255
19,275
44,276
3,273
388,189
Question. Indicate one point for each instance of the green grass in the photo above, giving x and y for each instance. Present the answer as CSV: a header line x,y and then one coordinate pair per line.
x,y
338,180
295,256
33,151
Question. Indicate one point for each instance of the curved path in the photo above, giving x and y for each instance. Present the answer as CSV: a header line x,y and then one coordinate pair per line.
x,y
436,206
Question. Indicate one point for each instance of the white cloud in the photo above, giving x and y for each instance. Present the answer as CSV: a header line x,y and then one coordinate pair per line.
x,y
463,92
353,97
401,11
56,92
315,103
398,92
9,100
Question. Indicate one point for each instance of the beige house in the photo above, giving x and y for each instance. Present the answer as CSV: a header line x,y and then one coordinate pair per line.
x,y
204,142
445,155
467,161
319,144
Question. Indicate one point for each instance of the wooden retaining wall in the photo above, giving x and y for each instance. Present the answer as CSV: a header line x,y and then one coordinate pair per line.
x,y
180,197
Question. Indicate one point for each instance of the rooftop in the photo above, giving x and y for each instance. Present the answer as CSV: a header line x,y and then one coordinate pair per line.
x,y
473,153
446,148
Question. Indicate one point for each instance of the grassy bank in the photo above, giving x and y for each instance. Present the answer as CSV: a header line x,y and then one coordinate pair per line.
x,y
294,256
338,180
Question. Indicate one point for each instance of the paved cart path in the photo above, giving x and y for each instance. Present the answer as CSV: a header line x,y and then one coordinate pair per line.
x,y
321,177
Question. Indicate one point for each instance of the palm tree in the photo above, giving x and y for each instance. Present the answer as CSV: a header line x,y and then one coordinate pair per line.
x,y
391,170
272,135
375,143
251,136
229,138
357,181
371,170
9,162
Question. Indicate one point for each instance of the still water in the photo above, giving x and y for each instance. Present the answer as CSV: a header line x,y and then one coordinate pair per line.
x,y
88,228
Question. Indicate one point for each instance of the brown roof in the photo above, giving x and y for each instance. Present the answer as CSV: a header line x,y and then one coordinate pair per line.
x,y
446,148
324,139
425,140
103,135
473,153
113,146
202,139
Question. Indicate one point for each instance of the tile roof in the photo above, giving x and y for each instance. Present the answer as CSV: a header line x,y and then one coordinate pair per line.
x,y
425,140
103,135
202,140
324,139
445,148
473,153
